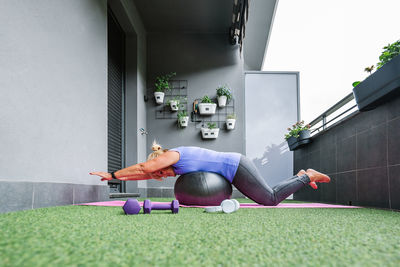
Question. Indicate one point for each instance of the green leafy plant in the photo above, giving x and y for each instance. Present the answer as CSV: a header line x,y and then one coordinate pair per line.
x,y
224,91
177,99
182,114
211,125
389,52
296,129
231,116
206,99
162,82
356,83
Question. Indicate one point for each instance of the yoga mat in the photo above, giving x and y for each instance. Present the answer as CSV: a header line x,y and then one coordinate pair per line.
x,y
118,203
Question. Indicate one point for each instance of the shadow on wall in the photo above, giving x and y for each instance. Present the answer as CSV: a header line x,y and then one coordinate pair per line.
x,y
271,164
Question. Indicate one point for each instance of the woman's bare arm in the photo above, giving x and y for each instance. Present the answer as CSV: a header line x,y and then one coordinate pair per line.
x,y
143,171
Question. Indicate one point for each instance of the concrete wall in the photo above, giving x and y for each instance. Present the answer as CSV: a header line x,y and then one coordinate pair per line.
x,y
361,155
53,80
206,61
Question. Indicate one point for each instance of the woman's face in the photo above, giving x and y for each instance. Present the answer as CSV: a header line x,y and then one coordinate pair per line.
x,y
165,172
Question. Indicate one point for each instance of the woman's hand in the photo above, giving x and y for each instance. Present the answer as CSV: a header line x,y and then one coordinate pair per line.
x,y
105,176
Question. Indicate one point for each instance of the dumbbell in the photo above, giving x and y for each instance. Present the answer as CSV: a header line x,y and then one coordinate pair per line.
x,y
148,206
227,206
131,206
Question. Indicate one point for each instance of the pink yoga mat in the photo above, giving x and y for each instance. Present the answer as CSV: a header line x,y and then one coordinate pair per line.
x,y
118,203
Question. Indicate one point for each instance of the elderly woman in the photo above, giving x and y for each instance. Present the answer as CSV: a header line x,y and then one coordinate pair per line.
x,y
236,168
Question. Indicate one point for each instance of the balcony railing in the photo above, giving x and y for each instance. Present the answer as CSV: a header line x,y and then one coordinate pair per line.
x,y
341,109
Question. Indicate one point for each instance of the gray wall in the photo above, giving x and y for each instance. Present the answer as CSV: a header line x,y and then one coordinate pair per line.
x,y
53,80
362,156
206,61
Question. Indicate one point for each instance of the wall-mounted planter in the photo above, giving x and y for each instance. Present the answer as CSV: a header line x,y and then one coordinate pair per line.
x,y
207,133
222,101
379,87
174,104
183,121
230,124
207,108
159,96
303,139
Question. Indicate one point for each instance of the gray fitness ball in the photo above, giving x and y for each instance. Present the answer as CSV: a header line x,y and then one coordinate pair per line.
x,y
202,189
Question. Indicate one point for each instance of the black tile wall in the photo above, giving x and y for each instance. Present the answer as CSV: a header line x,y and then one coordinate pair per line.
x,y
362,156
346,154
345,130
372,148
394,141
346,188
373,187
328,190
328,159
393,109
370,119
394,182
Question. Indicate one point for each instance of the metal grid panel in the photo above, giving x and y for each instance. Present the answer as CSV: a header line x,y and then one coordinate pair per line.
x,y
178,89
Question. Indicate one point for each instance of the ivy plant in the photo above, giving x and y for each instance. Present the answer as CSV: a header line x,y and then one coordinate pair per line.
x,y
389,52
162,82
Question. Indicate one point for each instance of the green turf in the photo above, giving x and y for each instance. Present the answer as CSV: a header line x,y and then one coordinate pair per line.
x,y
104,236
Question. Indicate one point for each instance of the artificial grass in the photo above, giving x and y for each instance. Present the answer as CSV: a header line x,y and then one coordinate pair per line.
x,y
105,236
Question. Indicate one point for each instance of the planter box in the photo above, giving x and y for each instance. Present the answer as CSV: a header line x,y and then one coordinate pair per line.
x,y
379,87
303,139
230,124
159,96
207,108
183,122
207,133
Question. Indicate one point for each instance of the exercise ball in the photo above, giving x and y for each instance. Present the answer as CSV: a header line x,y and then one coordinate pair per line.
x,y
202,189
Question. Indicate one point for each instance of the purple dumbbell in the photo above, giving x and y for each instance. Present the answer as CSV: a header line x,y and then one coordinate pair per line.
x,y
131,206
148,206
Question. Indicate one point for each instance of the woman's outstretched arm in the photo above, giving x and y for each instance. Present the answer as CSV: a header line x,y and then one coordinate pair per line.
x,y
142,171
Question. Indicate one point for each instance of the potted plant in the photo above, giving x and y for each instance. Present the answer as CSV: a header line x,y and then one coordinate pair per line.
x,y
211,132
207,106
298,135
383,84
162,86
224,95
230,121
183,118
174,103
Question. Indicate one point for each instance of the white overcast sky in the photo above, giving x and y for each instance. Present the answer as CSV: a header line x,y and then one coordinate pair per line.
x,y
329,42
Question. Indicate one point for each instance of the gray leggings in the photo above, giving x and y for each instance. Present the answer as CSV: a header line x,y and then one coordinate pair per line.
x,y
249,181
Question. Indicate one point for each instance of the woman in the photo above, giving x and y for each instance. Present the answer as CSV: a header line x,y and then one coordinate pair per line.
x,y
236,168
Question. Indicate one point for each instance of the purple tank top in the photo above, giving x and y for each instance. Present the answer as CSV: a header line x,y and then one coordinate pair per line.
x,y
194,159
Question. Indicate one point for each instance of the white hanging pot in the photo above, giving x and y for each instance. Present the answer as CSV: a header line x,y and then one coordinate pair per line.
x,y
230,124
207,133
159,96
174,105
222,101
207,108
183,121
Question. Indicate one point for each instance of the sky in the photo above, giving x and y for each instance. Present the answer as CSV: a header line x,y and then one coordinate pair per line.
x,y
330,43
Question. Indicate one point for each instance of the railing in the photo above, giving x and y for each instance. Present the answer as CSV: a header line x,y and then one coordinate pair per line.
x,y
323,117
